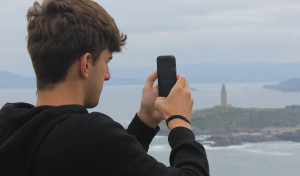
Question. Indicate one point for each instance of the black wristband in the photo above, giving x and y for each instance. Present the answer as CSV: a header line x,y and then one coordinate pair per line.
x,y
177,117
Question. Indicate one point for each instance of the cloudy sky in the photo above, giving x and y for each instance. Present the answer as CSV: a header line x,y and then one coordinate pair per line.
x,y
195,31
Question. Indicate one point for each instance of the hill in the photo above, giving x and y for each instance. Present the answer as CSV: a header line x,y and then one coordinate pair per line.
x,y
194,73
232,126
291,85
213,72
230,118
10,80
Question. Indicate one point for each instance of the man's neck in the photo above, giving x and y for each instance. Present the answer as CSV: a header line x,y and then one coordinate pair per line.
x,y
61,94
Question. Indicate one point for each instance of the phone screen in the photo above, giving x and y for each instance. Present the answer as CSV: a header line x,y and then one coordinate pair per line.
x,y
166,71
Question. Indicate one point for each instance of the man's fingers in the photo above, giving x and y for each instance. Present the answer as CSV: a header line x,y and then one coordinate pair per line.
x,y
156,87
151,79
187,86
160,98
180,81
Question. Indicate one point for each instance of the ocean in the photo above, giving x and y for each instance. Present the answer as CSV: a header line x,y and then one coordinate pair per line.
x,y
249,159
278,158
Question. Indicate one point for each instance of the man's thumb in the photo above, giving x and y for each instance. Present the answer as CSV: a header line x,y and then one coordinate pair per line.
x,y
159,100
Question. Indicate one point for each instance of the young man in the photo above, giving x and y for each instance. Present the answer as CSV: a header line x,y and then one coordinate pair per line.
x,y
70,43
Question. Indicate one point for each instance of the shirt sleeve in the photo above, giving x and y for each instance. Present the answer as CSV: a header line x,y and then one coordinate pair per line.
x,y
112,151
143,133
187,153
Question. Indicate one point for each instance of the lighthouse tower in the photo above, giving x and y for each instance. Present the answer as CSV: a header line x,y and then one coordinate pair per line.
x,y
223,96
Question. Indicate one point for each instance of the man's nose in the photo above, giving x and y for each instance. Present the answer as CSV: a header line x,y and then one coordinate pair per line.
x,y
107,74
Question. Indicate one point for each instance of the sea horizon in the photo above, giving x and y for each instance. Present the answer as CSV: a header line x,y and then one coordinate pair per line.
x,y
249,159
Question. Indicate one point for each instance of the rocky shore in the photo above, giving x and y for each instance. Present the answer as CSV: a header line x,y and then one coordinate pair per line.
x,y
227,138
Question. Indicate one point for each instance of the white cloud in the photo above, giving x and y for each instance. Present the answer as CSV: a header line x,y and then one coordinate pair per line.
x,y
201,31
283,7
239,15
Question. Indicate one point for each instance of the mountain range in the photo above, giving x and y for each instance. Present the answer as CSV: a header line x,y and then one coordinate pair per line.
x,y
10,80
194,73
291,85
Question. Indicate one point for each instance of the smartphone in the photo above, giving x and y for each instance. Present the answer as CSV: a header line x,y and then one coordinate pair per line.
x,y
166,73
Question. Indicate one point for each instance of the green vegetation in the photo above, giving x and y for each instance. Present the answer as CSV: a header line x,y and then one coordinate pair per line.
x,y
231,118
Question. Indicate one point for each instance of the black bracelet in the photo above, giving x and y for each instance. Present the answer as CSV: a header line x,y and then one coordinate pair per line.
x,y
177,117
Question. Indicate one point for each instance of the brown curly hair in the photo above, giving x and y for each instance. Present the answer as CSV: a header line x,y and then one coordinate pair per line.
x,y
60,31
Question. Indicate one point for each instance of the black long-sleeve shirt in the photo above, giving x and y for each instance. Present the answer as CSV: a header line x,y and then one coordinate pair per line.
x,y
67,140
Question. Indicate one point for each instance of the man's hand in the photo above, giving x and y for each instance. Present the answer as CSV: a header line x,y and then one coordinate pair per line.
x,y
147,113
178,102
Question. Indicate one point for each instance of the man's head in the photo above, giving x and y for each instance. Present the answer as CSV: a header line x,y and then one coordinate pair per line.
x,y
60,32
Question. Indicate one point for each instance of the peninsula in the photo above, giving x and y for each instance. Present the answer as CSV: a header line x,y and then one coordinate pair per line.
x,y
233,126
291,85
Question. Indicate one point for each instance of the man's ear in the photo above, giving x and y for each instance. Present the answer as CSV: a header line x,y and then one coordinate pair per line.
x,y
85,65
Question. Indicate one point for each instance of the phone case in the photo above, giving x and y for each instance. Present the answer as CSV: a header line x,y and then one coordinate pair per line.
x,y
166,72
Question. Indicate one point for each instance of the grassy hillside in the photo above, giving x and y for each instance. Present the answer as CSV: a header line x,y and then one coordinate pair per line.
x,y
230,118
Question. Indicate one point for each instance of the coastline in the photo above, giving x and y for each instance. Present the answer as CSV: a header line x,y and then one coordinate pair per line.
x,y
230,140
225,138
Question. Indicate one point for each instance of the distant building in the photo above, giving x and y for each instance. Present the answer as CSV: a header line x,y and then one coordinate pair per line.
x,y
223,96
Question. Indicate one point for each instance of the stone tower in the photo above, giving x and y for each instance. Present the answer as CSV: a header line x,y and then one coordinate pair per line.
x,y
223,96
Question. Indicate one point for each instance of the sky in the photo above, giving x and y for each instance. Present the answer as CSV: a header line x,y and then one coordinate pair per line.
x,y
194,31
